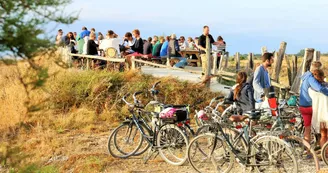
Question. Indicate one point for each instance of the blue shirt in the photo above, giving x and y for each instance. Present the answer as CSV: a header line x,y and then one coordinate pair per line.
x,y
260,82
84,33
308,81
164,49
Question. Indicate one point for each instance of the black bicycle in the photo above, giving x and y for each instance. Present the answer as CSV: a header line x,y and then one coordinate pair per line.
x,y
168,140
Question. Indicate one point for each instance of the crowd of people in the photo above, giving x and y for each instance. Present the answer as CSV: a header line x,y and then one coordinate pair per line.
x,y
92,43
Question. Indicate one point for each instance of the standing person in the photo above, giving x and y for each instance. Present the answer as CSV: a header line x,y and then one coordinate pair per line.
x,y
70,39
82,40
308,81
92,47
84,32
262,81
202,46
164,47
59,37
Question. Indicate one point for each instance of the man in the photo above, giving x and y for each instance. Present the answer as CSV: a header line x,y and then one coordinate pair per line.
x,y
164,47
84,32
173,52
155,45
308,81
202,46
183,44
81,42
59,37
158,48
92,47
111,40
148,47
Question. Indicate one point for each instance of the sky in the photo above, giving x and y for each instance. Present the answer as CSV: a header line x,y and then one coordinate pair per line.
x,y
246,26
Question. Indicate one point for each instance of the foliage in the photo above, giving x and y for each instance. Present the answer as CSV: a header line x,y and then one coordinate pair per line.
x,y
301,53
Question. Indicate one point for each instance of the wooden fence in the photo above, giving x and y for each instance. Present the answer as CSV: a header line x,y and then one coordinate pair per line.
x,y
294,71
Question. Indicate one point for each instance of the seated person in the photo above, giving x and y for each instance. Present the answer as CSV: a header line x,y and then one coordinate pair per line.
x,y
182,43
173,52
147,47
157,49
165,46
128,43
111,40
242,94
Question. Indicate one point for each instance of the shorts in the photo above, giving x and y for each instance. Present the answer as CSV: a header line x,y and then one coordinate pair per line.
x,y
307,115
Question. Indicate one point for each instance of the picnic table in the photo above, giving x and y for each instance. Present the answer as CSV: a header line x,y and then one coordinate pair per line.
x,y
189,52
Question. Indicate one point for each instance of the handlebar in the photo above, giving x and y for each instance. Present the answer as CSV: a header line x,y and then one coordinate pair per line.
x,y
124,99
154,86
226,87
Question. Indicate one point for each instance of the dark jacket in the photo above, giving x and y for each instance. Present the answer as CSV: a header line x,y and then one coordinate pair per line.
x,y
147,48
173,49
92,48
138,46
246,101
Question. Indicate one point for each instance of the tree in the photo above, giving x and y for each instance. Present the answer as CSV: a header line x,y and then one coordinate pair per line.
x,y
22,35
301,52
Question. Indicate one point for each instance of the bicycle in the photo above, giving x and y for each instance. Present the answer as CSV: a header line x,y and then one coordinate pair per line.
x,y
164,139
220,152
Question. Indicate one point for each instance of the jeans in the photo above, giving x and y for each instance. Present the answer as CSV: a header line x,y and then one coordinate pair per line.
x,y
182,63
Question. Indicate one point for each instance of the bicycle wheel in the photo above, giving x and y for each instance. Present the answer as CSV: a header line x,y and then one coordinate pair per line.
x,y
172,144
305,155
208,153
324,151
124,141
271,154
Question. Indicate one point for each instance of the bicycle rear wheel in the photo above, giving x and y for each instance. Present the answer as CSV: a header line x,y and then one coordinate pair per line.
x,y
124,141
208,153
305,155
172,144
324,153
271,154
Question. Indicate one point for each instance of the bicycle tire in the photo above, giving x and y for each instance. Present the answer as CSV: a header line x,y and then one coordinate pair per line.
x,y
210,154
113,140
170,137
324,150
305,155
267,148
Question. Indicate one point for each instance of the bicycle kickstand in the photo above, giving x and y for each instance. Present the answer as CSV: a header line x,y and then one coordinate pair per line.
x,y
151,152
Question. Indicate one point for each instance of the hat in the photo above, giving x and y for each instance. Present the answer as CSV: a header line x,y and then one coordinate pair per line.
x,y
173,36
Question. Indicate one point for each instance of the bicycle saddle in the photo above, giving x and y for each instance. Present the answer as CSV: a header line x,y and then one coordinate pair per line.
x,y
238,118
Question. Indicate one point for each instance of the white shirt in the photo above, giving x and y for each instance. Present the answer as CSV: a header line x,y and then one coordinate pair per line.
x,y
111,42
86,38
184,46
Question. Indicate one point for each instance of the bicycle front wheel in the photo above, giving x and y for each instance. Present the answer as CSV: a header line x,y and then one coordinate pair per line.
x,y
125,140
172,144
271,154
208,153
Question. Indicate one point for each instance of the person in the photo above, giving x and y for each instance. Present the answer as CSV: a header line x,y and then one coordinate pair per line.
x,y
69,39
112,40
182,43
308,81
94,31
262,81
148,47
191,44
242,94
202,46
84,32
75,35
319,106
59,37
155,45
173,52
221,47
157,50
164,47
137,47
100,37
155,40
92,47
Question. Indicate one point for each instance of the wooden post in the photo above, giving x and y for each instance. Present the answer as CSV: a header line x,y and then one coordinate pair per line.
x,y
226,59
289,71
294,73
133,63
215,59
306,64
221,63
88,64
264,50
207,78
279,60
237,61
168,61
250,63
316,56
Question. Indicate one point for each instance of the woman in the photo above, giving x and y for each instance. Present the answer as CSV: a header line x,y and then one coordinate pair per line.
x,y
243,94
319,105
191,44
70,39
